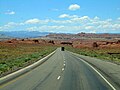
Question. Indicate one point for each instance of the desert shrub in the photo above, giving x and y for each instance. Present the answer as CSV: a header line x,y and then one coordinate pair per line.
x,y
22,40
22,55
101,53
95,44
118,41
4,67
51,41
36,41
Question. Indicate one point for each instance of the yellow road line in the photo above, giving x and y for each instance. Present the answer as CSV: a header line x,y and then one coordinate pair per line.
x,y
14,80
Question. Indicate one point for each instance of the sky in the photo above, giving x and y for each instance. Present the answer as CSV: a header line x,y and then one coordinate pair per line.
x,y
60,16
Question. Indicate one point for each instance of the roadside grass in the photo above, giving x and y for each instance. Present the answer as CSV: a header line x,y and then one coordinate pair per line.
x,y
14,57
100,53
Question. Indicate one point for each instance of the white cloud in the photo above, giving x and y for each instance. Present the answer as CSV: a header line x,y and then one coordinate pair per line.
x,y
81,20
74,7
118,18
116,26
21,23
32,28
36,21
68,16
61,21
96,18
55,9
32,21
60,28
1,28
8,26
92,31
73,24
54,27
10,12
89,27
85,18
64,16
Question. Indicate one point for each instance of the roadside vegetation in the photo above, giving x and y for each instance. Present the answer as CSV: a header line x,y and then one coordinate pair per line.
x,y
16,56
110,54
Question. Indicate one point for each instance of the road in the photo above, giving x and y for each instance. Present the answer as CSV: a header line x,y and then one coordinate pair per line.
x,y
62,71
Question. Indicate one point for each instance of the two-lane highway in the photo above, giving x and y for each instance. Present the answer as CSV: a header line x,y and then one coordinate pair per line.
x,y
62,71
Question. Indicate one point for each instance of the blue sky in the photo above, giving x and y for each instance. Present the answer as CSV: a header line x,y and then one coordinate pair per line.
x,y
64,16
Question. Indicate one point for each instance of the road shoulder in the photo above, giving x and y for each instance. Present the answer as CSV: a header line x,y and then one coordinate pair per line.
x,y
110,70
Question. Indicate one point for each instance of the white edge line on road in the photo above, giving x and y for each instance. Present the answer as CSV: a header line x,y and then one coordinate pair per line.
x,y
100,75
58,77
63,69
64,64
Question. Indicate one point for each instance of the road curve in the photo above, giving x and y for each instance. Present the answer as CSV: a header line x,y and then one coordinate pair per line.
x,y
62,71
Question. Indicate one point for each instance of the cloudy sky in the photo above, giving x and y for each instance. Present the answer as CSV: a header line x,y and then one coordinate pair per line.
x,y
60,16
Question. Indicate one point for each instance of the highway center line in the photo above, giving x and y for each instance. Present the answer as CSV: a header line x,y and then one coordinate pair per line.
x,y
63,69
99,75
59,77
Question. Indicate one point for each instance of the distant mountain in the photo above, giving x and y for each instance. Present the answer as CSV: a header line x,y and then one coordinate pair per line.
x,y
4,37
82,36
24,34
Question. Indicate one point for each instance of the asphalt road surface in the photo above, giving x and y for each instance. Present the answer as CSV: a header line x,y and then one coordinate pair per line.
x,y
62,71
